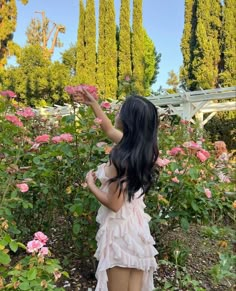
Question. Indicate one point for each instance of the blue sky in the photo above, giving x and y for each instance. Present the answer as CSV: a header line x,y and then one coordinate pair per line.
x,y
163,20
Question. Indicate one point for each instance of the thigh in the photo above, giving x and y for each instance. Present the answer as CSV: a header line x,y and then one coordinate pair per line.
x,y
135,280
118,279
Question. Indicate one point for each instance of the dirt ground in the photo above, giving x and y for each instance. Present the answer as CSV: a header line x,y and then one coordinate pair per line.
x,y
199,251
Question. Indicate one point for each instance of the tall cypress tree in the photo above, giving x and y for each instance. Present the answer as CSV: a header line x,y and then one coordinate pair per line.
x,y
206,54
80,62
124,41
8,14
110,50
101,49
138,47
188,41
90,43
228,74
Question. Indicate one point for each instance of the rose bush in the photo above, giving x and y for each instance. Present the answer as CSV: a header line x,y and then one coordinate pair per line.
x,y
44,162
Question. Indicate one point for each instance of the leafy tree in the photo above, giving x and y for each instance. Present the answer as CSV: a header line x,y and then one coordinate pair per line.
x,y
69,58
8,15
188,41
101,49
90,43
138,47
80,64
207,50
151,61
36,80
200,44
228,73
124,41
110,51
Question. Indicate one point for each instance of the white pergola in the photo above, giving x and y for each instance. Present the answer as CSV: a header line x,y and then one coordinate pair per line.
x,y
184,104
196,103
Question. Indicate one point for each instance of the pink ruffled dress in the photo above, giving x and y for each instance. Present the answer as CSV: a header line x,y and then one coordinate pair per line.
x,y
124,239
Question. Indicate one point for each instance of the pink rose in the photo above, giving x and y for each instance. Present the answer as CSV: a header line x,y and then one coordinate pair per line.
x,y
26,112
14,119
201,157
127,78
192,145
8,93
175,151
106,105
42,138
23,187
56,139
34,246
205,153
44,251
98,120
67,137
75,90
207,193
162,162
175,180
41,237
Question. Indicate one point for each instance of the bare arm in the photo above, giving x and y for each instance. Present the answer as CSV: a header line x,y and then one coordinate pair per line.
x,y
106,125
112,199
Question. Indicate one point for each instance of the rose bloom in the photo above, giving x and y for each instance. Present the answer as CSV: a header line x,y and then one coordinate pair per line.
x,y
98,120
207,193
106,105
201,156
44,251
205,153
175,180
34,246
67,137
42,138
41,237
175,151
23,187
8,93
14,119
162,162
192,145
56,139
26,112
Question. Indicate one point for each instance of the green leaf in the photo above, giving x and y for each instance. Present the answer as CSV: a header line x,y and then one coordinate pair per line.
x,y
24,286
193,172
4,258
13,246
184,223
194,205
31,275
36,160
76,228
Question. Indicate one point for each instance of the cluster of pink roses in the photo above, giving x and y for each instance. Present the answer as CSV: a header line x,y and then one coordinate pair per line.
x,y
201,154
26,112
76,90
65,137
37,245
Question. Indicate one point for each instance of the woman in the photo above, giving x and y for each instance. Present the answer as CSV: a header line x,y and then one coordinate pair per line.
x,y
125,248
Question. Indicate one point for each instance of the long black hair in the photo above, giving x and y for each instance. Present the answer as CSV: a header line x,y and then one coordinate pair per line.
x,y
135,155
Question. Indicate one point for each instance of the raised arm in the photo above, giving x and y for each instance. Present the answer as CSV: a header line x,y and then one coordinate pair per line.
x,y
114,134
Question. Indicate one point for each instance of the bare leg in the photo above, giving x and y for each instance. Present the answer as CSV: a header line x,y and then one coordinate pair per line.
x,y
118,279
135,280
